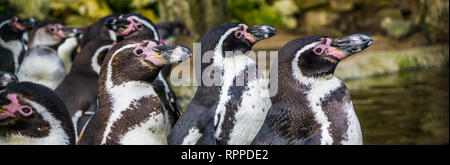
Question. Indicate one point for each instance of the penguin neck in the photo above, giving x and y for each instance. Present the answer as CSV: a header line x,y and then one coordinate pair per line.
x,y
40,38
95,63
65,51
47,130
112,98
16,47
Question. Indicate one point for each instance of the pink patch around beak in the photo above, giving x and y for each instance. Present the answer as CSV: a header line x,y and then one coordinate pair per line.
x,y
130,28
328,49
243,34
12,107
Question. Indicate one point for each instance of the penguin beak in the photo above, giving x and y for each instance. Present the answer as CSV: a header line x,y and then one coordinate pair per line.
x,y
261,32
349,45
161,55
70,32
15,22
29,23
171,54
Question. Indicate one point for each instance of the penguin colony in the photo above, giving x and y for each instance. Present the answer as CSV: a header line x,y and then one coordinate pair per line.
x,y
106,85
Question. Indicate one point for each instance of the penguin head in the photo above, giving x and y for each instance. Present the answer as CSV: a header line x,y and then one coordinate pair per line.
x,y
133,25
6,78
11,28
30,22
318,56
52,33
33,110
141,60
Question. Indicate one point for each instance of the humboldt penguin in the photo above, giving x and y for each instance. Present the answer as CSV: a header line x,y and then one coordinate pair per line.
x,y
130,110
135,25
100,30
312,106
29,23
41,63
11,46
79,88
32,114
231,107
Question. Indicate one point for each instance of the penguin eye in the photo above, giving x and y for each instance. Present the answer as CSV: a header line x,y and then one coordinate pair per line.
x,y
139,52
52,29
139,26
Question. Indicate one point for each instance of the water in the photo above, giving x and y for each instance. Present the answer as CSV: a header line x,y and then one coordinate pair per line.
x,y
404,108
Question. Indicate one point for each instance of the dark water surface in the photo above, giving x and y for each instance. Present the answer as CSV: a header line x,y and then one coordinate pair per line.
x,y
405,108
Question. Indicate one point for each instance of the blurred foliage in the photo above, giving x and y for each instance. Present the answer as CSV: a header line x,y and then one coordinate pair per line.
x,y
398,19
253,12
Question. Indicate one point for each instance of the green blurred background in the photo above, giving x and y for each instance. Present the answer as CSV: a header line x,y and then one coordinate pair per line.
x,y
399,85
395,18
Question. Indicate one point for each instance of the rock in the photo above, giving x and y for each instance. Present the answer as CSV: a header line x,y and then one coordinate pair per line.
x,y
396,28
317,18
286,7
305,4
341,5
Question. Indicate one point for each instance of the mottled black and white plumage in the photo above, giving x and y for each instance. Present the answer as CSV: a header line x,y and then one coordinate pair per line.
x,y
312,106
41,63
232,110
33,114
11,46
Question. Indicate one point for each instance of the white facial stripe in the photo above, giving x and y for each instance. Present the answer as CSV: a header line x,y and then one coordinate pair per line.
x,y
123,95
319,89
4,23
94,60
112,35
218,57
56,136
148,25
2,42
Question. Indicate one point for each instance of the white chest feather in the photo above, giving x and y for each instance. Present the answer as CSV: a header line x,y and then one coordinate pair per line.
x,y
94,60
47,70
353,134
122,97
251,113
56,136
319,89
150,132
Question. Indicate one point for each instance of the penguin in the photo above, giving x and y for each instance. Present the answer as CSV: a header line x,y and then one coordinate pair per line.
x,y
130,110
169,30
100,30
11,46
79,88
29,23
6,78
232,108
32,114
41,63
146,29
312,106
135,25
